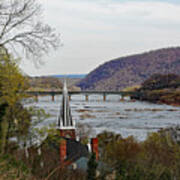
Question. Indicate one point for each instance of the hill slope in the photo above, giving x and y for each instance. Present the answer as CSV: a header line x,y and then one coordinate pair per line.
x,y
132,70
51,83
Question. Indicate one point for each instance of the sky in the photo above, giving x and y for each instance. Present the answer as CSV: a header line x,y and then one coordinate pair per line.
x,y
96,31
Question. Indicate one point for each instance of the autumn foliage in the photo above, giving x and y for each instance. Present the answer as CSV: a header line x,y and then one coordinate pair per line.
x,y
156,158
160,88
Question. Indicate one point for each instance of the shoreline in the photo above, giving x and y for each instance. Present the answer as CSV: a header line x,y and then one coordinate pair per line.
x,y
167,97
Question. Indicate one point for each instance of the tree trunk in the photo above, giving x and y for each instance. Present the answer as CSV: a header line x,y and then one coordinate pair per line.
x,y
4,133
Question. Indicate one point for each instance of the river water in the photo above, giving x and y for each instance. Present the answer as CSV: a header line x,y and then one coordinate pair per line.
x,y
127,118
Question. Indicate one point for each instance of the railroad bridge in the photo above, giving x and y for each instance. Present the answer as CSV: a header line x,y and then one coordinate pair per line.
x,y
104,94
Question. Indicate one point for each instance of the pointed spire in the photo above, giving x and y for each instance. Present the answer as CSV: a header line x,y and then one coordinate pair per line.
x,y
65,119
65,87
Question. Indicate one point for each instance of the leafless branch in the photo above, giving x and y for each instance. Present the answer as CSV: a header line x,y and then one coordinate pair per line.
x,y
21,30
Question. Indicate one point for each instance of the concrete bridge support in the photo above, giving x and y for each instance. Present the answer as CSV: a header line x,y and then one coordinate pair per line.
x,y
53,97
87,97
104,97
69,97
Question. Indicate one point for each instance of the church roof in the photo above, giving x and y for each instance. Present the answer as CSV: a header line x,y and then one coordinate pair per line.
x,y
75,149
65,120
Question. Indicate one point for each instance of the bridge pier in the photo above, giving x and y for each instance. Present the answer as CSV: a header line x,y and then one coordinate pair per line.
x,y
104,97
52,97
69,97
87,97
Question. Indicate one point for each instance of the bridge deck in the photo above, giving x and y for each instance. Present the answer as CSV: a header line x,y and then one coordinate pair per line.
x,y
80,92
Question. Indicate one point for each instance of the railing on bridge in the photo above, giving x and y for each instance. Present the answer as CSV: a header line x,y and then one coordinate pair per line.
x,y
122,94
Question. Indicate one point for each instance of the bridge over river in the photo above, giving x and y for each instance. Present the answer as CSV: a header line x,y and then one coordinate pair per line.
x,y
104,94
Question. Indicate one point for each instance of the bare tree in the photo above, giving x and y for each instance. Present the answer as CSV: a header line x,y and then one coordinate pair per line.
x,y
22,31
84,132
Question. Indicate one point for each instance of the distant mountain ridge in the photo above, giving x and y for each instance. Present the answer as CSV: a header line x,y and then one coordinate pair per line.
x,y
132,70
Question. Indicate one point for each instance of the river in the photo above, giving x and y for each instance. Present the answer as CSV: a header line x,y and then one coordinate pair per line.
x,y
127,118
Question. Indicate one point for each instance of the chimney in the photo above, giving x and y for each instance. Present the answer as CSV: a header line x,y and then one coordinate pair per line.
x,y
94,147
62,150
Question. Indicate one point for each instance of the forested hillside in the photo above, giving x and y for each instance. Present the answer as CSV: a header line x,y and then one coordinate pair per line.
x,y
160,89
45,83
49,83
132,70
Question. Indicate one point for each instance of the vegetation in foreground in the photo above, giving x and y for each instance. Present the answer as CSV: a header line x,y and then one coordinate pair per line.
x,y
157,158
160,88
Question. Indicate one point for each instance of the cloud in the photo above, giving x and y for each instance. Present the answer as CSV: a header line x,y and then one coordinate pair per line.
x,y
158,9
94,31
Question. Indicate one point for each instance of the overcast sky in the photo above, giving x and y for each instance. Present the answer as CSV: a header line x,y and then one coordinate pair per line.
x,y
95,31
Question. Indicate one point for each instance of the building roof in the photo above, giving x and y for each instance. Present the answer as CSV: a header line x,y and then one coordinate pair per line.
x,y
75,149
82,164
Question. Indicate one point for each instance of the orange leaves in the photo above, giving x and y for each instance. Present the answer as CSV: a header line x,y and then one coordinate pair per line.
x,y
157,157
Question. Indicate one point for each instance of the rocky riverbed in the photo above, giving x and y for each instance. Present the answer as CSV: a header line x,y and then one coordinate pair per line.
x,y
127,118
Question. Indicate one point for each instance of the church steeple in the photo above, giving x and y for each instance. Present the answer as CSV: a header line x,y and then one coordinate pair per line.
x,y
66,123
